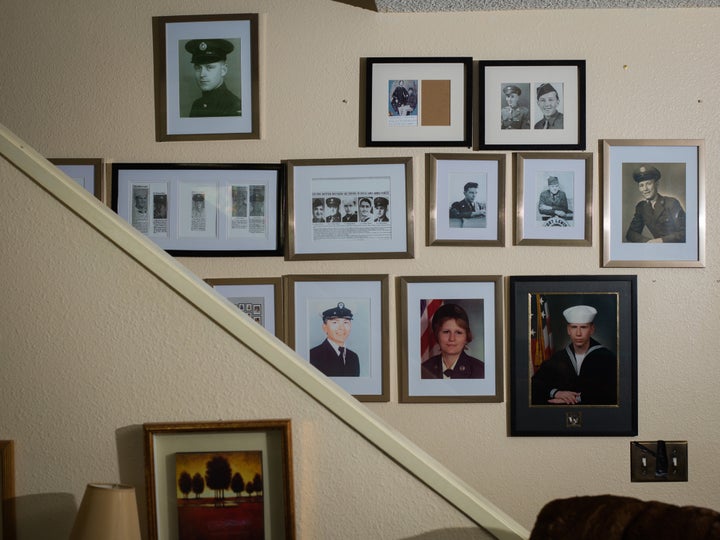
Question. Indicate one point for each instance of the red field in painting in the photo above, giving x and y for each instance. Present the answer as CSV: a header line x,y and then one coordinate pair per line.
x,y
198,519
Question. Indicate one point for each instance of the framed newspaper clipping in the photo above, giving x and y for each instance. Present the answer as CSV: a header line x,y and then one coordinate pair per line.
x,y
203,210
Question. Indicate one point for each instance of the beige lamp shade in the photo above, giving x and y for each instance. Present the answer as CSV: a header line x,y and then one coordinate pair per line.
x,y
107,511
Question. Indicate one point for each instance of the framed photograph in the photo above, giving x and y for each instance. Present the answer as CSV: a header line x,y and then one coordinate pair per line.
x,y
258,298
88,173
203,210
532,105
450,339
219,480
339,323
350,209
653,203
466,199
553,199
7,491
418,102
573,357
206,77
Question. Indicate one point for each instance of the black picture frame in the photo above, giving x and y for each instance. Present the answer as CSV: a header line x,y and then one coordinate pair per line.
x,y
242,207
521,129
440,114
615,327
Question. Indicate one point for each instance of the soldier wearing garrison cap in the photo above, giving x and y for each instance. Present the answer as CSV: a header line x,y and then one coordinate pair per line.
x,y
548,100
514,115
381,206
663,217
209,59
584,372
332,209
553,201
331,356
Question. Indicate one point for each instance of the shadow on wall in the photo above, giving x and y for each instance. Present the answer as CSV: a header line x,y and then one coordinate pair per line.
x,y
45,516
476,533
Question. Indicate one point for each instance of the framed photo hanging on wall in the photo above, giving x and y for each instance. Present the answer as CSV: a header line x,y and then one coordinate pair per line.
x,y
418,101
206,77
654,203
532,105
573,357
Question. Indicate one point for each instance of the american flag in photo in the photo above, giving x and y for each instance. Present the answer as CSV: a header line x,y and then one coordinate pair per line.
x,y
541,342
427,339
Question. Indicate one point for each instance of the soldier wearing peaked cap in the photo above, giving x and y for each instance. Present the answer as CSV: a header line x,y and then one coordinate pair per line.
x,y
332,209
209,59
584,372
663,216
514,115
548,101
381,206
331,356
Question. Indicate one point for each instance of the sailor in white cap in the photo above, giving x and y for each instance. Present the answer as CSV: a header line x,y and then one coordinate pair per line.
x,y
584,372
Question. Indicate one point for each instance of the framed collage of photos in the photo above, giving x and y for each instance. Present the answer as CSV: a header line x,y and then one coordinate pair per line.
x,y
185,460
553,199
466,199
259,298
573,357
654,203
418,102
532,105
88,173
450,346
203,209
350,209
339,324
206,77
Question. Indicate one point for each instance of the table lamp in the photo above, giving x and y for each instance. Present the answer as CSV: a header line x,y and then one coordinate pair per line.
x,y
107,511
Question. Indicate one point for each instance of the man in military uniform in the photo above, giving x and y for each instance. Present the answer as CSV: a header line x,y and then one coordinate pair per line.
x,y
350,215
209,58
468,207
583,373
514,116
331,356
553,201
381,205
332,210
663,216
548,101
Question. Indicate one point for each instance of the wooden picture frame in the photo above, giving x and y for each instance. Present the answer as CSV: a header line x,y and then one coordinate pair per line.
x,y
7,491
314,303
551,319
87,172
221,102
653,203
471,303
178,458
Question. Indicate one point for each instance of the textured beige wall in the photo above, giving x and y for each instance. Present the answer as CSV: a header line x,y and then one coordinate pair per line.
x,y
77,81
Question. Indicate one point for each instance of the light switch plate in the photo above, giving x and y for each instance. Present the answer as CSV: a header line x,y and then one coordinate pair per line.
x,y
643,461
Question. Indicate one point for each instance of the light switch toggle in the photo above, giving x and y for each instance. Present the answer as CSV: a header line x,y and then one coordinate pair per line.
x,y
658,461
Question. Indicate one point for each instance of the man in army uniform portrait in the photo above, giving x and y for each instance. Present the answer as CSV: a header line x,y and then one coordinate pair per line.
x,y
331,356
553,201
548,101
663,216
332,210
209,59
514,115
469,207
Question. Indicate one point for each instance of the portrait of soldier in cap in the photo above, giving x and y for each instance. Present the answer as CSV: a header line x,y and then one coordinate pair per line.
x,y
553,202
584,372
513,114
548,101
332,357
209,60
381,206
661,216
332,210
